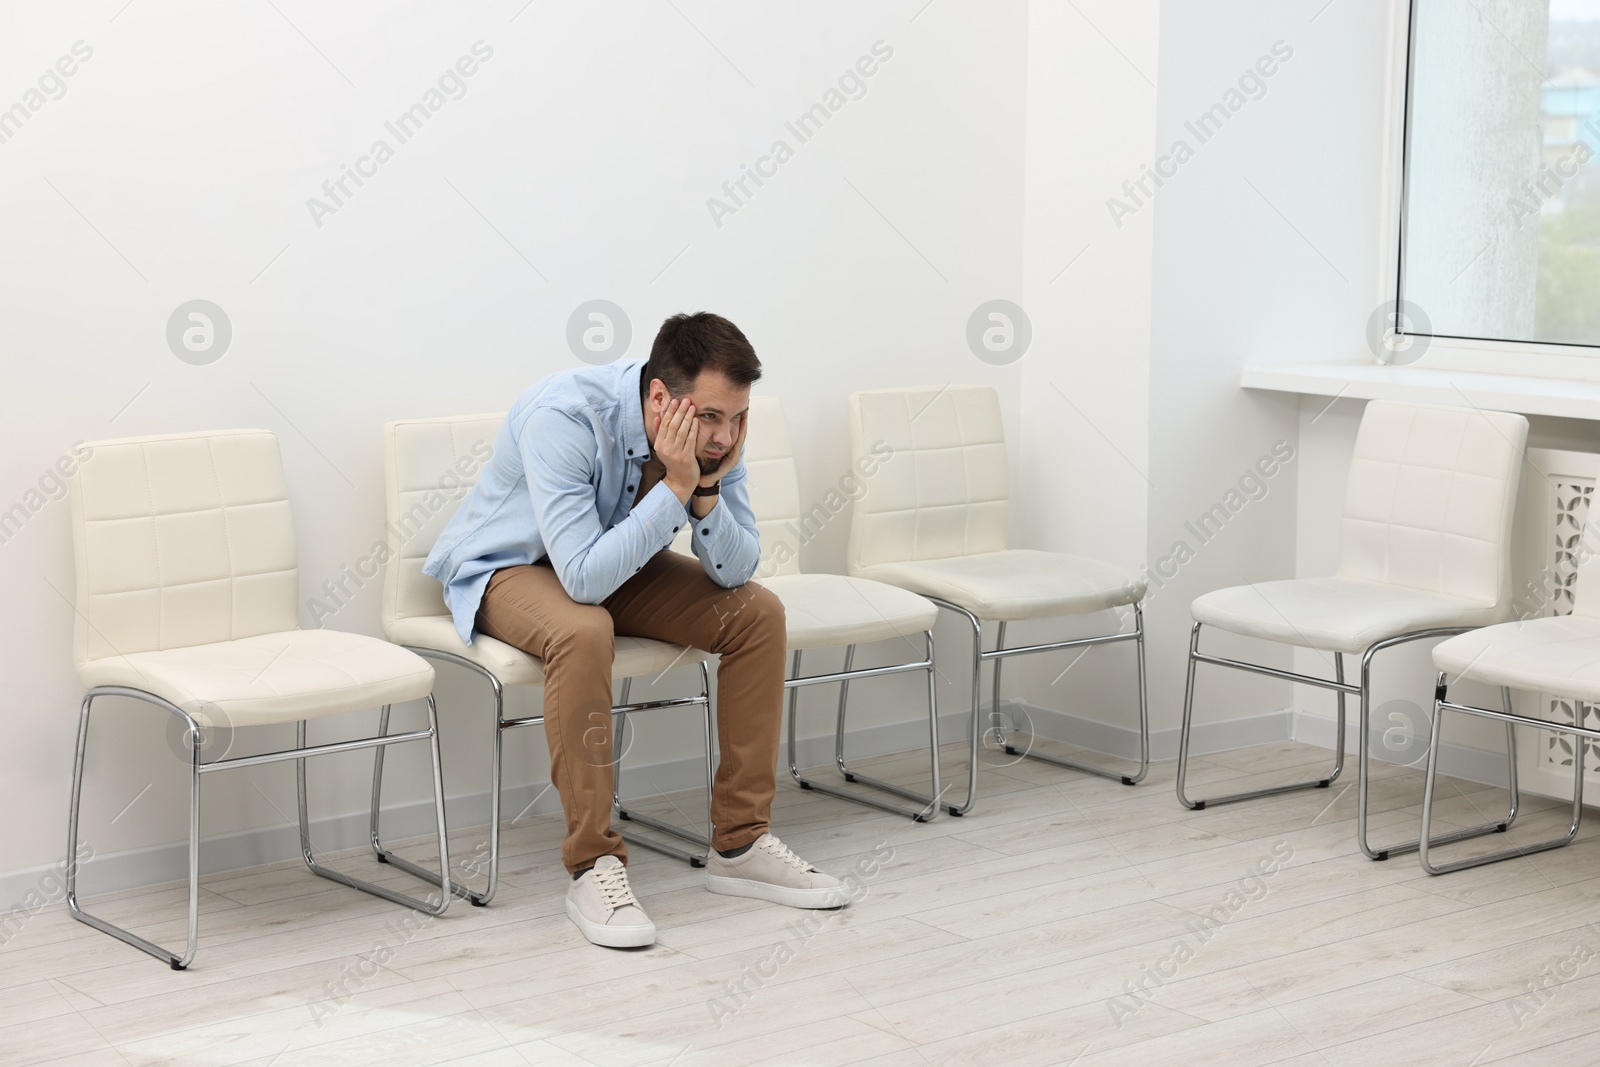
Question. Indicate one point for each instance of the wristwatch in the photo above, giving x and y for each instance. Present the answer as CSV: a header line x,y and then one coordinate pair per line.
x,y
714,489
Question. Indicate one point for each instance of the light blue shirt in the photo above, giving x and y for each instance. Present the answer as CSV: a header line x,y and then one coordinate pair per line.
x,y
561,482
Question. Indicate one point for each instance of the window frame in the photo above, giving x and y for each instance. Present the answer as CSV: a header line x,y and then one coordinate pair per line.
x,y
1541,359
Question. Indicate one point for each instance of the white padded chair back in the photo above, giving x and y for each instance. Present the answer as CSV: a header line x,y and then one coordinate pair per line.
x,y
941,491
1430,499
774,487
428,467
180,540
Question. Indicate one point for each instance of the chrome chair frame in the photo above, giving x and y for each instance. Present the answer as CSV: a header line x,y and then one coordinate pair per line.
x,y
300,753
1343,688
1512,720
481,898
998,654
930,803
621,712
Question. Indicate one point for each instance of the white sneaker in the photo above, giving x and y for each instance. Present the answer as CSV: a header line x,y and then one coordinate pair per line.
x,y
769,871
602,905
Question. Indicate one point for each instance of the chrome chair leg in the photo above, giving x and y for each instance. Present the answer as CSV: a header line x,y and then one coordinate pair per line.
x,y
844,700
711,748
497,746
928,805
1144,698
441,877
477,898
1426,839
974,731
195,738
794,697
1077,765
703,843
1363,693
975,738
1362,776
999,723
300,753
1339,686
619,747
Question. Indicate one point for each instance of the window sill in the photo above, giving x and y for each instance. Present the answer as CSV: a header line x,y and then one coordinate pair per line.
x,y
1424,385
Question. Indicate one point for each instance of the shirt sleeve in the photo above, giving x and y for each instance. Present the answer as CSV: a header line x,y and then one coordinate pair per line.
x,y
726,540
558,458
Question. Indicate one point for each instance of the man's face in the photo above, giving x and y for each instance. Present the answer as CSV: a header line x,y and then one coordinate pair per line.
x,y
720,407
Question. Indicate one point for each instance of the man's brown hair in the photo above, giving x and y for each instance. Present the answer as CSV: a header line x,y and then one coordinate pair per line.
x,y
688,344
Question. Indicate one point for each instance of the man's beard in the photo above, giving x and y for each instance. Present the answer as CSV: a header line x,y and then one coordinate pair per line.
x,y
708,466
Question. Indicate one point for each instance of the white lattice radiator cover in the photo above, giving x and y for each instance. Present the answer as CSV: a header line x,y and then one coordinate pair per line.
x,y
1557,490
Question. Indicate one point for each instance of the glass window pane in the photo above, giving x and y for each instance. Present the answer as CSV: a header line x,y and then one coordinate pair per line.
x,y
1502,213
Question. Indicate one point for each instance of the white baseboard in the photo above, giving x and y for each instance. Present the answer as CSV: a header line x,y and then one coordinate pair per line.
x,y
1122,739
1457,761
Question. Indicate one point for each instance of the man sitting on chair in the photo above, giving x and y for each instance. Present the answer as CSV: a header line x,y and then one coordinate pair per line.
x,y
563,543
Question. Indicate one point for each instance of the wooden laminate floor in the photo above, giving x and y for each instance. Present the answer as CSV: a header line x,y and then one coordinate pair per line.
x,y
1069,919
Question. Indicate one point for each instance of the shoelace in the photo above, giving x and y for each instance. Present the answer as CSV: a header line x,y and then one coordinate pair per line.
x,y
773,847
613,885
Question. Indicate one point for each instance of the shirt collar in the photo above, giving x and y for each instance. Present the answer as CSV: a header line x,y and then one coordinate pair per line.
x,y
633,434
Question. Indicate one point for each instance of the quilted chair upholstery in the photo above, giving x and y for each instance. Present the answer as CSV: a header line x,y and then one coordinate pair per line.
x,y
1423,542
186,582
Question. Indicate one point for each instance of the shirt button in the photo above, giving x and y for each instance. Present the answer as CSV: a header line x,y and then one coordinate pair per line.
x,y
719,566
630,488
705,529
630,451
674,529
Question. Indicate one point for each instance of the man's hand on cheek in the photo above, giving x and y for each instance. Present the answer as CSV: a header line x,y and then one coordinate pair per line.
x,y
675,444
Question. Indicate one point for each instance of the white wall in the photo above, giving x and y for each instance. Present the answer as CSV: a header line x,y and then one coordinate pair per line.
x,y
577,166
1085,386
1258,247
1272,246
1266,252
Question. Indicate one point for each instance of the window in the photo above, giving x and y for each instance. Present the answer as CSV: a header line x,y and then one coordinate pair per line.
x,y
1500,235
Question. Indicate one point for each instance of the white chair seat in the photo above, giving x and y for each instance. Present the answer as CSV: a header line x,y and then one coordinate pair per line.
x,y
635,656
1559,655
1016,583
271,678
828,610
1336,614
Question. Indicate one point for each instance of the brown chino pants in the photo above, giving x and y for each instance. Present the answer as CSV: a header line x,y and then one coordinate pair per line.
x,y
670,599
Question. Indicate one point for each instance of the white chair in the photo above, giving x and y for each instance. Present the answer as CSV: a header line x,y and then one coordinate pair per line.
x,y
428,466
1424,552
1558,656
933,521
186,580
829,610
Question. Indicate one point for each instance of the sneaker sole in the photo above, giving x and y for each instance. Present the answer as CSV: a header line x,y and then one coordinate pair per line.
x,y
611,936
814,899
